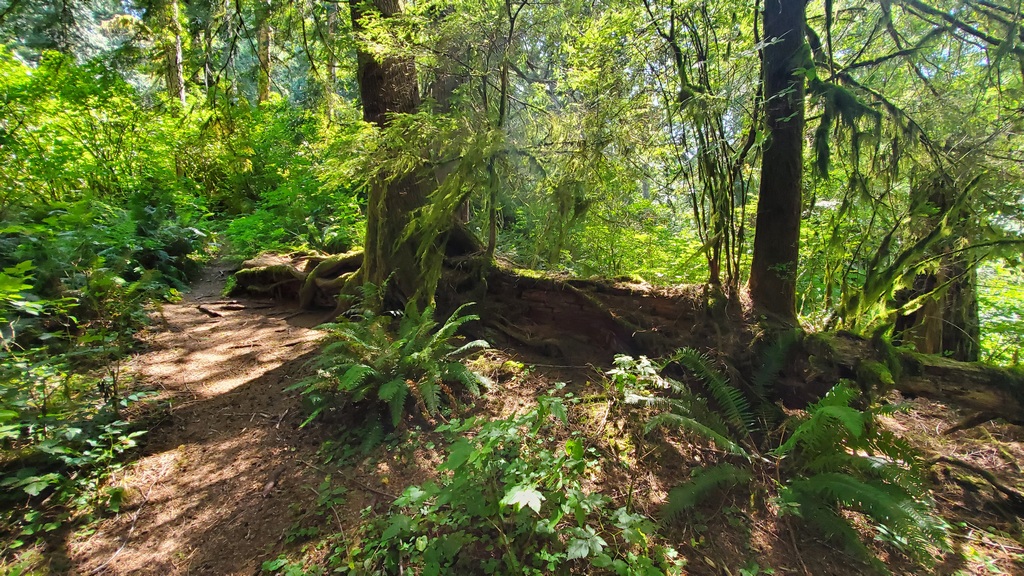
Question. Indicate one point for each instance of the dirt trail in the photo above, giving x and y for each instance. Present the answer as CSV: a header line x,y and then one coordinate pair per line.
x,y
211,492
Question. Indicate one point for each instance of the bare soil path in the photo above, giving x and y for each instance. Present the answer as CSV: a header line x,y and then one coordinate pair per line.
x,y
212,490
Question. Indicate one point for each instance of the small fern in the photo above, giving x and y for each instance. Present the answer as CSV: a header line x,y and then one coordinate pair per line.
x,y
374,361
703,481
732,404
838,460
729,426
835,461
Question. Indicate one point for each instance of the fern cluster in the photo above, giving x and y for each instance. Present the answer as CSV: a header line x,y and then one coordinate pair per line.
x,y
727,419
834,461
837,459
393,362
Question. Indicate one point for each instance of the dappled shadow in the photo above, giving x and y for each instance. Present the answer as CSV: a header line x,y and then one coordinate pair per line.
x,y
226,471
212,485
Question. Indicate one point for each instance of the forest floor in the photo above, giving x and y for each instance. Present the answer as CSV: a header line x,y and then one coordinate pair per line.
x,y
226,479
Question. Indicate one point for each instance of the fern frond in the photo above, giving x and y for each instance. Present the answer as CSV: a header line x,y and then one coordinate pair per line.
x,y
415,329
460,373
352,378
702,483
394,392
773,359
734,405
672,420
467,347
819,430
829,522
430,392
886,504
454,322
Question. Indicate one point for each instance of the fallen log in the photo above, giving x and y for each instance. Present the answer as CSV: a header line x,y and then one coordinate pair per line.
x,y
588,321
982,388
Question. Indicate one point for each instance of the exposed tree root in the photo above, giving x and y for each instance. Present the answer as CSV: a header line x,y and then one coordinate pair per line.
x,y
1014,498
589,321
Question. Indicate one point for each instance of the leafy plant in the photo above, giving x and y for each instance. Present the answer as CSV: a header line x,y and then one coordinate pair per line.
x,y
391,363
838,459
835,461
508,505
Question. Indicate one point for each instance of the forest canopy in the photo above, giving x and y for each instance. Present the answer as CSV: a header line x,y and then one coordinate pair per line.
x,y
614,138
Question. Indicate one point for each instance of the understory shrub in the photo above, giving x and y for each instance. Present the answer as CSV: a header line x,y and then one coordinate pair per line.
x,y
510,500
835,463
389,363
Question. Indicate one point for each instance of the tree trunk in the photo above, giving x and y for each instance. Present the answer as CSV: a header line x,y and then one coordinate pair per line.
x,y
961,327
265,37
388,86
173,59
777,234
947,323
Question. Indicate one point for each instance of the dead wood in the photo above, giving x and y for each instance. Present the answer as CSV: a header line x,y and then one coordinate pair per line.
x,y
1013,497
589,321
209,312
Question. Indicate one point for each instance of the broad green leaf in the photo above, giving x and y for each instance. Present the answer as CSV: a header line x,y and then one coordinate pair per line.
x,y
523,496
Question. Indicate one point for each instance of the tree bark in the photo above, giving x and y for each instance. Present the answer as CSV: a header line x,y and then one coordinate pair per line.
x,y
265,38
773,268
947,323
961,326
405,263
997,392
173,59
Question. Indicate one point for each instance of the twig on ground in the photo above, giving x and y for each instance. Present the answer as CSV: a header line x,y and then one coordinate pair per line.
x,y
357,483
209,312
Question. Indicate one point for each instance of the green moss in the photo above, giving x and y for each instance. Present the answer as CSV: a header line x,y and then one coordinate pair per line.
x,y
820,344
874,375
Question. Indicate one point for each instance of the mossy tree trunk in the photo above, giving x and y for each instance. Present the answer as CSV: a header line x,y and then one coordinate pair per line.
x,y
264,40
947,321
174,74
405,263
773,267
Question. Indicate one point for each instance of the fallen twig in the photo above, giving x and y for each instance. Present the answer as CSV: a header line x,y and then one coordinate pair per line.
x,y
135,520
209,312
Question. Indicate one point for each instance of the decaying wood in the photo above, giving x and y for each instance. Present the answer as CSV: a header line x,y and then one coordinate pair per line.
x,y
589,321
209,312
1013,497
994,391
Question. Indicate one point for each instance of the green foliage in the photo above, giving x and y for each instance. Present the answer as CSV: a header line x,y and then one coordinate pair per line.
x,y
835,461
506,504
388,363
703,481
95,224
283,186
1001,303
62,438
728,424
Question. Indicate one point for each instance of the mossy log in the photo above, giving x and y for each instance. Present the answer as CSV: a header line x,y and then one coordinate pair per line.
x,y
313,280
584,322
991,390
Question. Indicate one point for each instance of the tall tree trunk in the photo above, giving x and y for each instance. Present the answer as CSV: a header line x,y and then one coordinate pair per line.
x,y
947,323
388,86
265,37
777,234
961,327
173,59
